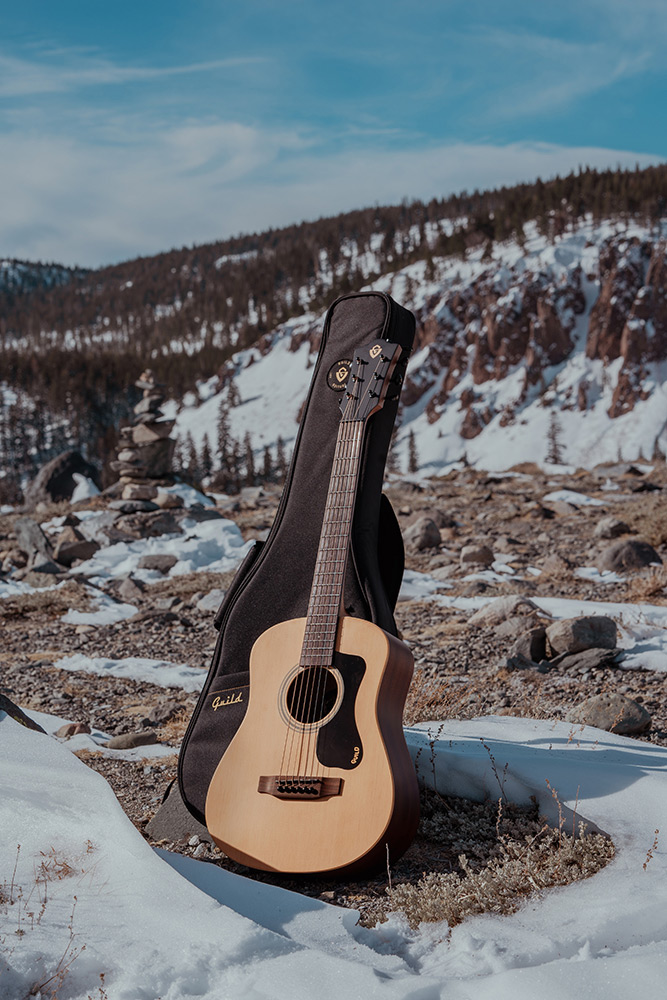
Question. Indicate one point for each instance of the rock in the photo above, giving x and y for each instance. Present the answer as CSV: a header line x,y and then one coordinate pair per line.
x,y
518,661
169,501
173,822
211,601
502,608
72,729
30,537
587,632
161,563
611,527
43,564
198,513
145,432
68,552
532,644
160,522
129,740
18,715
555,565
423,534
134,491
163,710
133,506
131,590
626,555
149,404
613,712
589,659
476,555
55,481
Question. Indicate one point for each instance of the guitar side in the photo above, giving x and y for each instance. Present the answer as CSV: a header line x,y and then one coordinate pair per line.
x,y
378,801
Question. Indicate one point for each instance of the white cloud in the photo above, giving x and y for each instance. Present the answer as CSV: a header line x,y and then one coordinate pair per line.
x,y
23,77
78,201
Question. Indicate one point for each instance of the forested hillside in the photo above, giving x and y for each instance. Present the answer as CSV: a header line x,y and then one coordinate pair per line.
x,y
72,341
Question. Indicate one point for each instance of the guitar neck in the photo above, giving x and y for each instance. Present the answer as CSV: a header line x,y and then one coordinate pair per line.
x,y
329,578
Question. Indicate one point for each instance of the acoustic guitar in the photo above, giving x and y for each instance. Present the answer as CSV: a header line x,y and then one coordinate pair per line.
x,y
318,777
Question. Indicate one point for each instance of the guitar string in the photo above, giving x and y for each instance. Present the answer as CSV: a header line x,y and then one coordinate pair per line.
x,y
320,642
334,572
291,758
317,650
341,544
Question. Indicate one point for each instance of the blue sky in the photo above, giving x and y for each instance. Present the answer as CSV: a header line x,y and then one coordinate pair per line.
x,y
130,128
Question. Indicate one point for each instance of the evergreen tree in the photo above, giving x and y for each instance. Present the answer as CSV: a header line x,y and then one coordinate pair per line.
x,y
554,446
249,460
413,460
206,460
267,465
281,461
192,467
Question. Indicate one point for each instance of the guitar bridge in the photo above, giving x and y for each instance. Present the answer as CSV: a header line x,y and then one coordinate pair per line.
x,y
299,787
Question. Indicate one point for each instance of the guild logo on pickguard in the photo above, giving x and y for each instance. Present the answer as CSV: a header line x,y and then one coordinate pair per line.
x,y
338,375
374,351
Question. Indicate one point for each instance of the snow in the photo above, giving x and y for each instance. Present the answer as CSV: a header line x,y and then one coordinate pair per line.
x,y
84,489
137,668
94,741
161,925
108,611
574,498
216,545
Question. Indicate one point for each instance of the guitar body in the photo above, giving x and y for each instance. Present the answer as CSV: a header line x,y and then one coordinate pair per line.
x,y
361,796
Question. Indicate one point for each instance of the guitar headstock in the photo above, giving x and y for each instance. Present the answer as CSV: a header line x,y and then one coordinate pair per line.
x,y
370,378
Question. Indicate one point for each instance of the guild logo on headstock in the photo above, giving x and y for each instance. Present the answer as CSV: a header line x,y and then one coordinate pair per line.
x,y
374,351
338,375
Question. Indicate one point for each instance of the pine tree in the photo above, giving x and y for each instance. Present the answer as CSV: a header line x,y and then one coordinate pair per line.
x,y
249,460
281,461
413,460
206,460
554,446
191,459
267,466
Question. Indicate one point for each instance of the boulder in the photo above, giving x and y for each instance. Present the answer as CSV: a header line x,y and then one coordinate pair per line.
x,y
55,481
611,527
133,506
130,590
423,534
629,554
72,729
503,608
169,501
532,644
476,555
160,522
211,601
30,538
127,741
160,562
72,545
589,659
137,491
587,632
613,712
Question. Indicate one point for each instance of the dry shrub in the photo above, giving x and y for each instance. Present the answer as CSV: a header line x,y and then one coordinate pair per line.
x,y
53,603
434,697
651,586
500,854
174,729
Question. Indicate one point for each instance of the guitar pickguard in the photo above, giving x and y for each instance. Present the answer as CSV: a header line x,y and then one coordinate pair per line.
x,y
338,741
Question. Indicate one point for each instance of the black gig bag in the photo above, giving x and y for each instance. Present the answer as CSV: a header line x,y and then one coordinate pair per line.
x,y
274,581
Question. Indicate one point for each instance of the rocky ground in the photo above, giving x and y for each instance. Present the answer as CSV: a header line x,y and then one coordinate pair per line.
x,y
463,668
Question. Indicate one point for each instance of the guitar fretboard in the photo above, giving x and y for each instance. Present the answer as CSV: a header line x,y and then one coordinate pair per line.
x,y
329,577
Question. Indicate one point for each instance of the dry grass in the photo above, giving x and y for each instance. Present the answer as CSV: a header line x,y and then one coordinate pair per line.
x,y
499,855
650,586
52,603
190,583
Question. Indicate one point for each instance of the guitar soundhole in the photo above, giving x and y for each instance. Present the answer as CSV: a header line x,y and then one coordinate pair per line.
x,y
312,695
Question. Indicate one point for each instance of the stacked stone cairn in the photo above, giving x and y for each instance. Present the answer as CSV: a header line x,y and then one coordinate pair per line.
x,y
146,449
